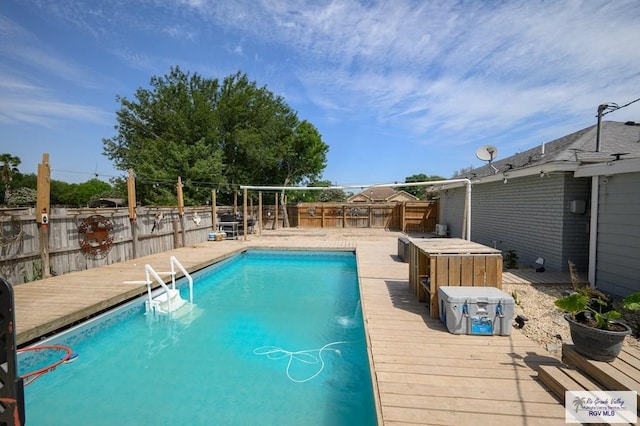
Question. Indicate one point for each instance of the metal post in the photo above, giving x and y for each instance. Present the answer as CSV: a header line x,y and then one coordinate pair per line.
x,y
12,390
601,109
244,214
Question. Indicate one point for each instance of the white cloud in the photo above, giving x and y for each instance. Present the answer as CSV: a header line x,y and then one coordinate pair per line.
x,y
19,44
466,68
472,70
46,112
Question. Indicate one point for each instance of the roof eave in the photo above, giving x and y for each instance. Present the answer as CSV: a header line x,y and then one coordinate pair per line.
x,y
537,170
608,168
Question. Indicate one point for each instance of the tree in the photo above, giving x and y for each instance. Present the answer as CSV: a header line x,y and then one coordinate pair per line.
x,y
419,191
463,171
323,196
10,165
89,190
213,135
303,155
79,194
166,132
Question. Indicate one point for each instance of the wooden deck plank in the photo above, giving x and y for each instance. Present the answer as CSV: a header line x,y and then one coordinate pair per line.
x,y
438,416
534,393
422,373
557,381
619,374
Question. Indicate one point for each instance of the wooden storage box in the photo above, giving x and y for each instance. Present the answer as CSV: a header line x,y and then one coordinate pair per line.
x,y
435,262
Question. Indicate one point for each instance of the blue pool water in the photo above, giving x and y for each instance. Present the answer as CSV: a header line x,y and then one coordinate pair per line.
x,y
276,338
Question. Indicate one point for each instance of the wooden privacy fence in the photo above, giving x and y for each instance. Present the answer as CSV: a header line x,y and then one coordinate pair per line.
x,y
80,239
85,238
407,216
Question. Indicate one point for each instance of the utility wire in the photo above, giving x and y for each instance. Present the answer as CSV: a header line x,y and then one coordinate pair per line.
x,y
614,107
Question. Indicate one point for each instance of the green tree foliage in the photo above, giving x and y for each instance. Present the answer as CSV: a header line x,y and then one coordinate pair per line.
x,y
78,194
22,197
8,168
463,171
24,187
420,191
23,190
168,131
213,135
315,195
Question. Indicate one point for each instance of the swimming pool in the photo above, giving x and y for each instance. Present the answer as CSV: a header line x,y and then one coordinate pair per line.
x,y
276,338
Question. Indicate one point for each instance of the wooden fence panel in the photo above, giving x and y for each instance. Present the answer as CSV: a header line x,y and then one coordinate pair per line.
x,y
20,260
160,229
417,217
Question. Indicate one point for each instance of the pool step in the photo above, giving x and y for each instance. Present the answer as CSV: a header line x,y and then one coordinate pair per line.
x,y
169,301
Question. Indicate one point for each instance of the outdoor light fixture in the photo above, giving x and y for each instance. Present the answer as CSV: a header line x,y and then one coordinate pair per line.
x,y
505,180
541,173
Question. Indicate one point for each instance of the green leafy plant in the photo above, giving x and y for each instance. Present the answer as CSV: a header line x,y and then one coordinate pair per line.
x,y
584,298
516,300
577,302
632,302
510,259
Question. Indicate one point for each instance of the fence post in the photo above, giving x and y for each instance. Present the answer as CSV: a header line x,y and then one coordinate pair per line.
x,y
133,219
275,219
260,212
214,212
176,240
181,210
43,211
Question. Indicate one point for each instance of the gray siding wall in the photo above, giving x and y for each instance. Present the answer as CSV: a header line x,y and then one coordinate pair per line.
x,y
618,249
529,215
452,211
575,227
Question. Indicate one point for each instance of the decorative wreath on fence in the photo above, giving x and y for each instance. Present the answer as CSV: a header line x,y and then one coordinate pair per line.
x,y
95,237
10,230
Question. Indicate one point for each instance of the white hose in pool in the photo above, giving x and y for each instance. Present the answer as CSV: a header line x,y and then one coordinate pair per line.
x,y
274,352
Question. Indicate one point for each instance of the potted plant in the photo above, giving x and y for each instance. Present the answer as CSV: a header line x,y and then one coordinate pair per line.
x,y
594,328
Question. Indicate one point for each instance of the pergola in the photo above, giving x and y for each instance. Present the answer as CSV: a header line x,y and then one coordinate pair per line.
x,y
466,229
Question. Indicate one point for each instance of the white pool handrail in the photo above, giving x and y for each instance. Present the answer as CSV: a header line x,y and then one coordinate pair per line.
x,y
150,272
174,262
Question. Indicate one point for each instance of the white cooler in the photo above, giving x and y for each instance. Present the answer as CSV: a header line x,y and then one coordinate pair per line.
x,y
476,310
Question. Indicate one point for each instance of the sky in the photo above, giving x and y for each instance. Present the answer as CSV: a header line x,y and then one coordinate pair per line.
x,y
395,88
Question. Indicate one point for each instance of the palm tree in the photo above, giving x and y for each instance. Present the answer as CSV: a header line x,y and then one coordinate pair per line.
x,y
9,167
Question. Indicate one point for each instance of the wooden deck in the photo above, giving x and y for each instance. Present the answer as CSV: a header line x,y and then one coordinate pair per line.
x,y
422,374
581,373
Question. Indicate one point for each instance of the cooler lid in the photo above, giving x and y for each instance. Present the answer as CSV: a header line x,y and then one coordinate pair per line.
x,y
459,294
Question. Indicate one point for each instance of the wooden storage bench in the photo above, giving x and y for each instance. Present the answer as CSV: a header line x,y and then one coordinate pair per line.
x,y
435,262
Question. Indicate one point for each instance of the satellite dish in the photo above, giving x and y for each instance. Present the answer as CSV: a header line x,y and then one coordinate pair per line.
x,y
487,153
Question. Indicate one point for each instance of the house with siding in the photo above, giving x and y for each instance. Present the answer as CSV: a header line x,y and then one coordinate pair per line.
x,y
561,201
381,194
